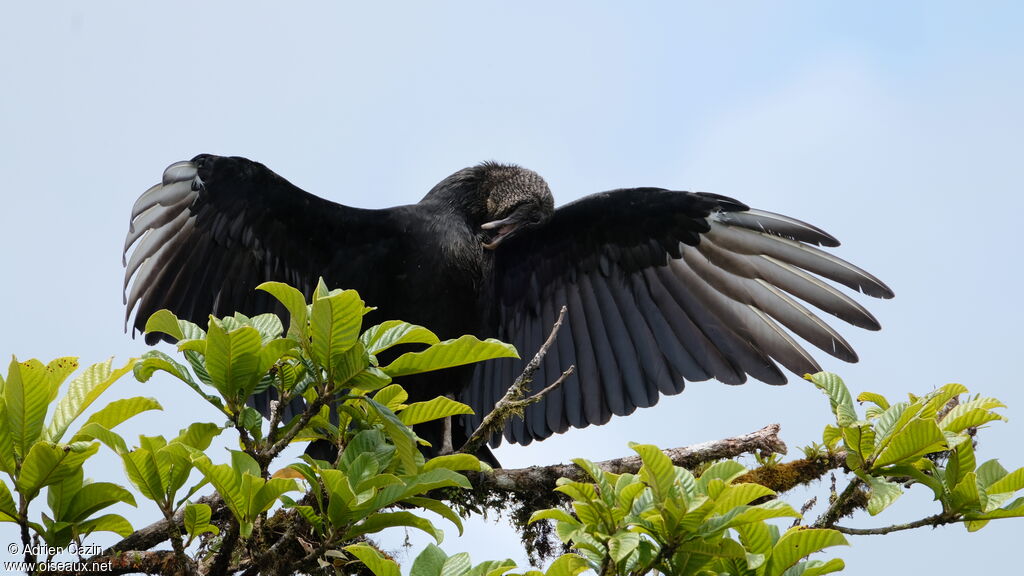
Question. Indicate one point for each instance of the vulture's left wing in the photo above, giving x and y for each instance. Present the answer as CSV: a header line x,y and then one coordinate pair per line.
x,y
661,287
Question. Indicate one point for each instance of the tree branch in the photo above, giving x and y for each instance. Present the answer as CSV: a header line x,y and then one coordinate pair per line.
x,y
157,532
935,521
543,478
163,562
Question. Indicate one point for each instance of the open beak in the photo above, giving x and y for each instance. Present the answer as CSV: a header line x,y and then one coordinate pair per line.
x,y
504,227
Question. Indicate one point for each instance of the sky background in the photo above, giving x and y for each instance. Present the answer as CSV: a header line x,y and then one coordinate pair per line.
x,y
894,126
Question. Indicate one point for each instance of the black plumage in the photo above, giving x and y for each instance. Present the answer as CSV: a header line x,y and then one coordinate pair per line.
x,y
661,287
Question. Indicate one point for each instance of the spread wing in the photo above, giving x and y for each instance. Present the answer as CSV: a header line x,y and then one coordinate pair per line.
x,y
661,287
217,227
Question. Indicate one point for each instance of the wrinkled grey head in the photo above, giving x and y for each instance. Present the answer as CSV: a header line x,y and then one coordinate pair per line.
x,y
498,199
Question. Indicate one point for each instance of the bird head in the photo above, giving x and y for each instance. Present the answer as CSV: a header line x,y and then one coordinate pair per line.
x,y
514,198
495,200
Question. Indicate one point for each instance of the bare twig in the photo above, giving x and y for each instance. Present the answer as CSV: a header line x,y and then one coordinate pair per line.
x,y
842,505
933,521
514,399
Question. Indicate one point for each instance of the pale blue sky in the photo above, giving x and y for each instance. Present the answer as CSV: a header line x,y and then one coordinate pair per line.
x,y
895,127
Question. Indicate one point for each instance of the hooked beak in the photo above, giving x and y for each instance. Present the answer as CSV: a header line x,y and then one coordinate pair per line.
x,y
504,227
525,213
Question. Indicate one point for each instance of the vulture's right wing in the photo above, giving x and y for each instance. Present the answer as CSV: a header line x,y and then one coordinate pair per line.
x,y
217,227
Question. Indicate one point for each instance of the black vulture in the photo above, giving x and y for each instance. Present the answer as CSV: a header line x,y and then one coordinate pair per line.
x,y
661,287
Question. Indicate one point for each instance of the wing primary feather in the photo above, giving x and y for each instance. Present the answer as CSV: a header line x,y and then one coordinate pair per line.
x,y
724,326
588,375
779,225
163,195
153,218
749,338
774,302
615,384
153,242
607,389
666,341
807,257
797,282
652,363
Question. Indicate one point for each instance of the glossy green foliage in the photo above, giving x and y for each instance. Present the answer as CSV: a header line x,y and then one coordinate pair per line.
x,y
666,520
929,440
378,480
36,455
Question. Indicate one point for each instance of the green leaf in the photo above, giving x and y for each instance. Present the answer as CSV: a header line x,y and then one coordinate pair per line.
x,y
965,496
990,472
556,514
198,435
429,562
93,497
142,470
758,537
567,565
165,321
882,494
818,567
435,409
961,461
394,332
57,371
197,520
26,397
876,399
82,392
860,440
1013,510
268,493
456,565
334,326
393,396
657,470
379,564
798,543
232,360
972,414
107,523
382,520
48,463
436,507
622,544
1009,483
8,509
294,302
400,434
937,399
95,431
453,462
464,350
760,513
838,395
7,456
270,328
120,410
739,495
917,438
